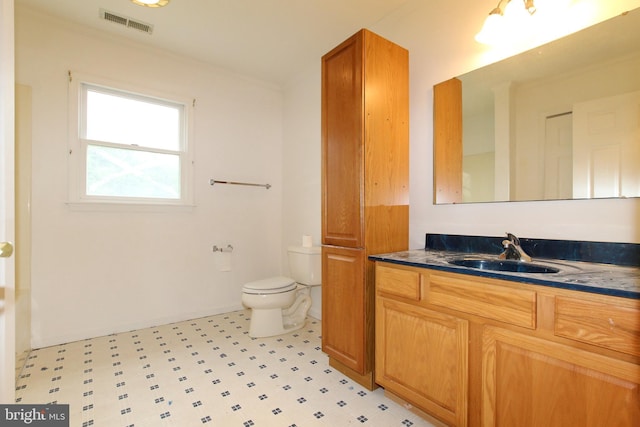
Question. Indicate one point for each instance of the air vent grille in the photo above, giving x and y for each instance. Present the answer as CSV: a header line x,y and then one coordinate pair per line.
x,y
126,21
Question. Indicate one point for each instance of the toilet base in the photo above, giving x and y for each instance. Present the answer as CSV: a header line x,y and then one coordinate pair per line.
x,y
269,323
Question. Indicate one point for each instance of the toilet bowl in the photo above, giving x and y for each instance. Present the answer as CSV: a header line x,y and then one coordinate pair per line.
x,y
280,304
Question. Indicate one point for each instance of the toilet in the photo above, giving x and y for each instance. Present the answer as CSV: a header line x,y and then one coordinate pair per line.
x,y
280,304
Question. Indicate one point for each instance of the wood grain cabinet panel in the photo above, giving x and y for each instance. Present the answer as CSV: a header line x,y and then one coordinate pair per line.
x,y
447,142
398,282
421,355
342,145
531,382
599,323
480,352
365,186
365,144
483,298
344,306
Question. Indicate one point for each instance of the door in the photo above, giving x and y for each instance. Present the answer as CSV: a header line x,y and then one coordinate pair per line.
x,y
558,157
342,145
606,147
7,214
343,306
422,356
531,382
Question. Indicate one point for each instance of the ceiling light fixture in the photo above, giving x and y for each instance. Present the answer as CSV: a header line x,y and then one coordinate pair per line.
x,y
150,3
531,8
493,27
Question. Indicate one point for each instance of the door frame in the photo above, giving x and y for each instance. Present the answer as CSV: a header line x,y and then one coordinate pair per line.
x,y
7,201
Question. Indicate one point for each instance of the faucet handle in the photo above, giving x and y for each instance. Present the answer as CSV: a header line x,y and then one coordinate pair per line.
x,y
513,250
513,239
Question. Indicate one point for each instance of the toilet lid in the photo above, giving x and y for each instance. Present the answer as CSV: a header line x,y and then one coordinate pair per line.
x,y
272,285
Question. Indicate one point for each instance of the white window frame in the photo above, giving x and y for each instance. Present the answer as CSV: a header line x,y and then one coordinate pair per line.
x,y
77,152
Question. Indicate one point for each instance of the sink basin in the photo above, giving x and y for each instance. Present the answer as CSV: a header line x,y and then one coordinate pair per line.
x,y
504,265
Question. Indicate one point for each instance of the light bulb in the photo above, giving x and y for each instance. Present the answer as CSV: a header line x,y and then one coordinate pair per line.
x,y
151,3
492,29
531,8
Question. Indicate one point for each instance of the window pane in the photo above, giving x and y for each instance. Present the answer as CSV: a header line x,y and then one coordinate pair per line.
x,y
123,120
131,173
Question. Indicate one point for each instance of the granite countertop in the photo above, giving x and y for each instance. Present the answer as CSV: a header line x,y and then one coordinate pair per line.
x,y
600,278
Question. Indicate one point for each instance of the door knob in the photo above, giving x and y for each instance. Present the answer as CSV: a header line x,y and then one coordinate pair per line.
x,y
6,249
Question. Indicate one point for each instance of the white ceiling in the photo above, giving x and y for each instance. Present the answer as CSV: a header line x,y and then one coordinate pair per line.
x,y
271,40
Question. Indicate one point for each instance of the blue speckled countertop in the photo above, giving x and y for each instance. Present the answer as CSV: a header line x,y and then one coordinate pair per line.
x,y
594,277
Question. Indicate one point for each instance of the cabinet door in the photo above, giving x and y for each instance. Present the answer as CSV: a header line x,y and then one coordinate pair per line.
x,y
343,306
421,355
533,382
342,145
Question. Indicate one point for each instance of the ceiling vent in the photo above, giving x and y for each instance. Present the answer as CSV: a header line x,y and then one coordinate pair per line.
x,y
126,21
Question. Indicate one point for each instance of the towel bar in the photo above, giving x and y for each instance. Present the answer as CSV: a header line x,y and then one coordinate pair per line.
x,y
229,248
215,181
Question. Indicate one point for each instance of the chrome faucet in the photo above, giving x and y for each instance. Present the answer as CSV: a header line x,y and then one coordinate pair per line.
x,y
512,249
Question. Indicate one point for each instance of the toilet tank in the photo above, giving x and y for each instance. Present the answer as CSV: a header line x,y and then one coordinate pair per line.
x,y
305,264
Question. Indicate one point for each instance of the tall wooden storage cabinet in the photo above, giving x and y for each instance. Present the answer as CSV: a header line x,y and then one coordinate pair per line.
x,y
365,189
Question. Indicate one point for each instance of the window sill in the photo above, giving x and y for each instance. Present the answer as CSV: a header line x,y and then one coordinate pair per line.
x,y
128,207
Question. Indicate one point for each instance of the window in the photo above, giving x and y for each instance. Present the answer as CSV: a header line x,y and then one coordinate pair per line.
x,y
129,147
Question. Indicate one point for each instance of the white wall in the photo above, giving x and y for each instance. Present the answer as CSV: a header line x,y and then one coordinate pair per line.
x,y
440,39
99,272
301,167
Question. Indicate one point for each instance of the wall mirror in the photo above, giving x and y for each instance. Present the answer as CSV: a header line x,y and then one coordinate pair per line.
x,y
558,122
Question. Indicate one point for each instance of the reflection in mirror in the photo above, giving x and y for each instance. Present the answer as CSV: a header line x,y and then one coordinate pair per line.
x,y
561,121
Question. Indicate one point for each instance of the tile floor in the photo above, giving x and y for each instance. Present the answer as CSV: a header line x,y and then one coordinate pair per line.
x,y
205,371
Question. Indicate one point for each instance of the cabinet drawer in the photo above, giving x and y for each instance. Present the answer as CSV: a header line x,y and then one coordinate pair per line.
x,y
399,282
482,298
598,323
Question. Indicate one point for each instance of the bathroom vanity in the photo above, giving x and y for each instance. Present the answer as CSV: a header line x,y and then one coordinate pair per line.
x,y
470,347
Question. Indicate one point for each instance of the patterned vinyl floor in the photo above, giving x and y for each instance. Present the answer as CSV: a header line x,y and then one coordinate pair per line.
x,y
206,372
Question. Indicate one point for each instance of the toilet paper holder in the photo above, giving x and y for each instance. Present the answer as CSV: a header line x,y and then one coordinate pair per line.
x,y
229,248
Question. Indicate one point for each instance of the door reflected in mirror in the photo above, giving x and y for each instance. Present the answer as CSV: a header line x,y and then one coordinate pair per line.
x,y
559,122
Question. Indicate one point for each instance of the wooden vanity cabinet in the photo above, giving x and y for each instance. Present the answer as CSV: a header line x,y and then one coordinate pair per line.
x,y
344,315
421,355
473,351
530,382
365,189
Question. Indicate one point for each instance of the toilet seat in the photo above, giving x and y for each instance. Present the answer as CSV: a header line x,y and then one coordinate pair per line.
x,y
272,285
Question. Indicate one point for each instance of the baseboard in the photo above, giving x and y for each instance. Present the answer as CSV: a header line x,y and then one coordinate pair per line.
x,y
316,314
367,380
79,336
419,412
21,361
